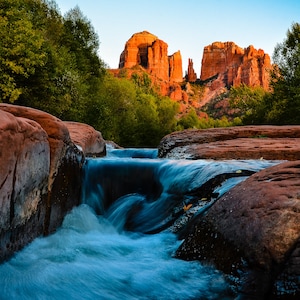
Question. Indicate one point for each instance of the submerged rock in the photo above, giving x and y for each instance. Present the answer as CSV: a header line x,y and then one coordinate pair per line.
x,y
253,234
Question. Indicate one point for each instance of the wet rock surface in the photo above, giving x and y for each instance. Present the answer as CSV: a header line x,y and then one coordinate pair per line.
x,y
252,233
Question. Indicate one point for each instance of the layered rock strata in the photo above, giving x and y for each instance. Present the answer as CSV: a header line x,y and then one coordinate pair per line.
x,y
252,232
243,142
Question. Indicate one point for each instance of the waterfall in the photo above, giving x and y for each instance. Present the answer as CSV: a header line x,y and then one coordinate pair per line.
x,y
119,243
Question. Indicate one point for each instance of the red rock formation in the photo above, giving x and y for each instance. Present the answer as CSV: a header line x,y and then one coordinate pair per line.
x,y
158,63
191,76
175,67
136,50
236,65
25,163
146,50
40,172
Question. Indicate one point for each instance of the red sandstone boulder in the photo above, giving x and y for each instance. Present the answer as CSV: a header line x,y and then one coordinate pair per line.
x,y
40,175
24,176
242,142
253,233
87,138
57,132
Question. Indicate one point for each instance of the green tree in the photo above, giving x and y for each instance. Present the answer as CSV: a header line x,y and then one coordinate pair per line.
x,y
82,40
190,120
21,48
283,106
113,112
250,101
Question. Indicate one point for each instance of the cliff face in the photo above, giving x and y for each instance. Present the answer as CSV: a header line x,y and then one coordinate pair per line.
x,y
175,67
236,65
146,50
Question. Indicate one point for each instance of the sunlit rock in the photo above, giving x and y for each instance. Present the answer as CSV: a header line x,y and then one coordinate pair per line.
x,y
87,139
241,142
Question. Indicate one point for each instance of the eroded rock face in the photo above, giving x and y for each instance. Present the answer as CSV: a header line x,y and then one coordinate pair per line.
x,y
191,76
236,65
253,233
175,67
243,142
136,50
146,50
40,175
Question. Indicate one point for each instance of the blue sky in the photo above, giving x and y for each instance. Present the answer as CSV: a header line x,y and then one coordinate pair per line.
x,y
188,25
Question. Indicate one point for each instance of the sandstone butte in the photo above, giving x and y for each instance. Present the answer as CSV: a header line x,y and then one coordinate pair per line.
x,y
149,52
223,65
226,64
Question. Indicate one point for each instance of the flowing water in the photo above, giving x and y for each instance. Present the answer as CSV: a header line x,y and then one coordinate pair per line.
x,y
120,242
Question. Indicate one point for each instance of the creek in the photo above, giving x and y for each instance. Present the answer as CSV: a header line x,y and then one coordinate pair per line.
x,y
120,242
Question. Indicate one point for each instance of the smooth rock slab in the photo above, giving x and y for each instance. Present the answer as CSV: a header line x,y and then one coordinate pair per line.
x,y
41,175
242,142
